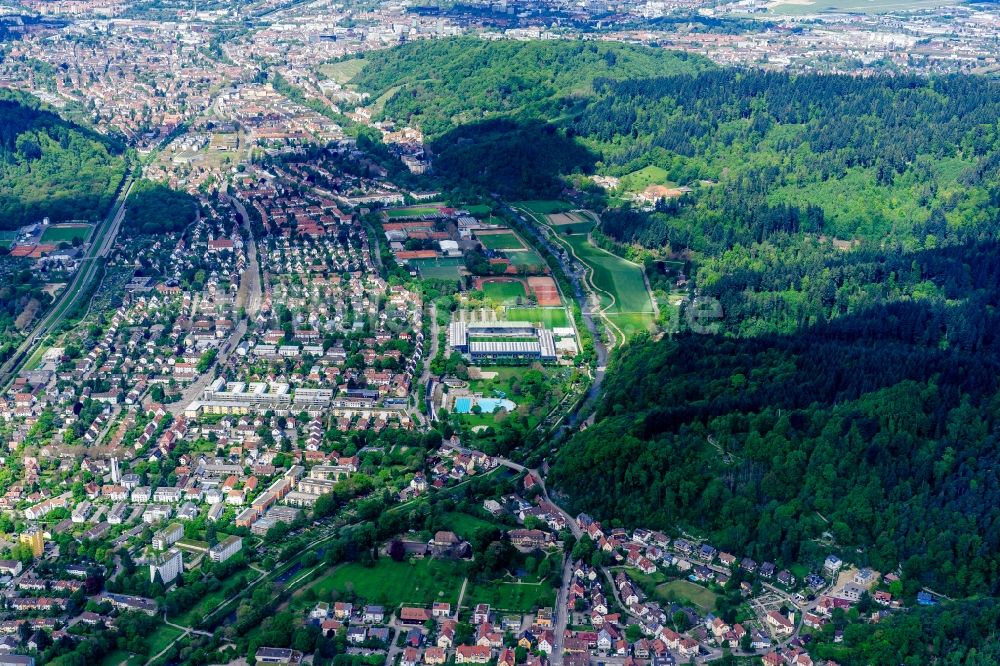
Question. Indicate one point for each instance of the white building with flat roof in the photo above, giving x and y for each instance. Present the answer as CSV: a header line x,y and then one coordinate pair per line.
x,y
225,549
169,565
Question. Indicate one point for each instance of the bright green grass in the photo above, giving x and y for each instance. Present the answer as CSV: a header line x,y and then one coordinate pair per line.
x,y
684,590
506,241
478,210
343,71
161,637
510,596
443,268
504,292
543,207
632,308
548,317
209,602
465,525
643,178
412,211
395,583
65,234
528,258
582,227
614,275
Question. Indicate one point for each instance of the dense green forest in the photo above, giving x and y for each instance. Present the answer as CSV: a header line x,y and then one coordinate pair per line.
x,y
52,168
492,110
445,83
154,208
906,159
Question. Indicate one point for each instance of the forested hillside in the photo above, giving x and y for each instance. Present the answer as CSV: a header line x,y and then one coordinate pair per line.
x,y
880,428
912,160
848,227
445,83
52,168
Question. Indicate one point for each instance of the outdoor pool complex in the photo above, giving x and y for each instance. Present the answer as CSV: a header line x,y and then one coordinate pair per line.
x,y
488,405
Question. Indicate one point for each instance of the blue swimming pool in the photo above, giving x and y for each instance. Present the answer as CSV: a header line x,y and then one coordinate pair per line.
x,y
490,405
464,404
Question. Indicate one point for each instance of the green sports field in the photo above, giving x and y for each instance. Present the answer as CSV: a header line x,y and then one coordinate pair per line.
x,y
478,210
413,211
66,234
444,268
543,207
504,292
525,258
507,241
548,317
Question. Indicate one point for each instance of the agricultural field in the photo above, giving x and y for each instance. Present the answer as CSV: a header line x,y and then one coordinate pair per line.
x,y
65,233
421,582
548,317
501,241
504,292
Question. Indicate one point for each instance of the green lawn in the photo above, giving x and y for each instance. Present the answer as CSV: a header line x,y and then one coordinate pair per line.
x,y
683,590
507,241
161,637
504,292
66,234
465,525
543,207
510,596
643,178
632,308
394,583
547,317
209,602
342,71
